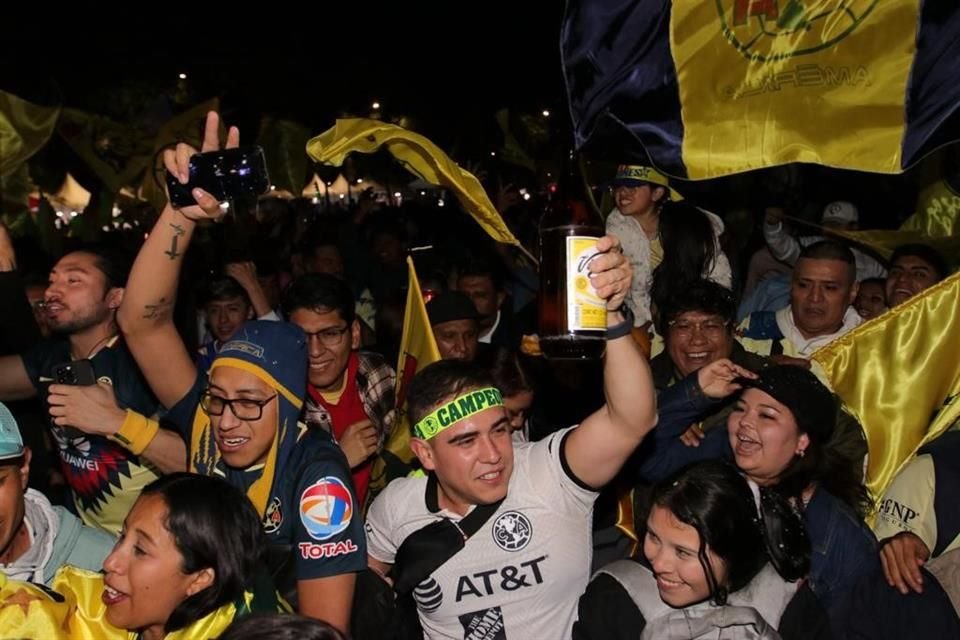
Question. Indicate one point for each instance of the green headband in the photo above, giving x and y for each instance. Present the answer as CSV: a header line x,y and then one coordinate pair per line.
x,y
456,410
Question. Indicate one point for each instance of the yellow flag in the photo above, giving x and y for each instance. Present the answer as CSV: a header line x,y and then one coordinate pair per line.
x,y
419,156
27,611
418,348
900,376
766,82
24,129
87,620
936,220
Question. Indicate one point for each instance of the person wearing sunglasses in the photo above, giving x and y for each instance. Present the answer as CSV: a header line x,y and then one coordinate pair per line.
x,y
243,422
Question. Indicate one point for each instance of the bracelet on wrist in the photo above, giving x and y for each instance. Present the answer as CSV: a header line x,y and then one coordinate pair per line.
x,y
136,433
622,328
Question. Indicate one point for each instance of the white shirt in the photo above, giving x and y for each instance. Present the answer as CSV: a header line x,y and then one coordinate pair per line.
x,y
520,576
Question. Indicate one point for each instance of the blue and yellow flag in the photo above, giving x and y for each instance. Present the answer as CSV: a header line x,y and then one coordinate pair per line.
x,y
900,376
418,348
710,88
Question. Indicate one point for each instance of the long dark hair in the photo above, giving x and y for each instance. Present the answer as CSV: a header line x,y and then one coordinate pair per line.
x,y
214,525
276,626
825,466
715,499
817,412
689,248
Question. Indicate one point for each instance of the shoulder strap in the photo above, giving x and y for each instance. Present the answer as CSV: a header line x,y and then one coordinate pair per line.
x,y
430,547
470,523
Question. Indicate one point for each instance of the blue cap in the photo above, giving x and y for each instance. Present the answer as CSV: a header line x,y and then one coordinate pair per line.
x,y
278,349
11,444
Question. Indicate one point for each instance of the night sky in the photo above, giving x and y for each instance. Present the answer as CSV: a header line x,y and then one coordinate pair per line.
x,y
448,67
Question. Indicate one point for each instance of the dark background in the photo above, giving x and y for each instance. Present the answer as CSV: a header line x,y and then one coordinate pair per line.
x,y
447,66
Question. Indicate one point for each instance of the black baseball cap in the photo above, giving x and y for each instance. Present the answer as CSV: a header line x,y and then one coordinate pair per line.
x,y
812,404
449,306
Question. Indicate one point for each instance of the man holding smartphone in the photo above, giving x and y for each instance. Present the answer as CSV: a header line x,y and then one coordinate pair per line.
x,y
242,421
104,475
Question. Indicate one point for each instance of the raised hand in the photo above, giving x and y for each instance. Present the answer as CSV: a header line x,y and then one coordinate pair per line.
x,y
177,162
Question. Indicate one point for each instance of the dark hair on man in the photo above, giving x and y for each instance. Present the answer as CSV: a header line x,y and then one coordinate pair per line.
x,y
441,381
113,262
280,626
214,525
321,293
689,248
483,268
926,253
832,250
222,288
713,498
703,296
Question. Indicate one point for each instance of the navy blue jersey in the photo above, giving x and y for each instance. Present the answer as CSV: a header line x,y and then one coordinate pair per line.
x,y
312,505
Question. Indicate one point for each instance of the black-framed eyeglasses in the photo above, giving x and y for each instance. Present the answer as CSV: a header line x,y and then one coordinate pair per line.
x,y
329,337
711,327
243,408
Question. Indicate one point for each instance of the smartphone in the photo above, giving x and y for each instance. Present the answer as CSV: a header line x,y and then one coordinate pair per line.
x,y
78,373
224,174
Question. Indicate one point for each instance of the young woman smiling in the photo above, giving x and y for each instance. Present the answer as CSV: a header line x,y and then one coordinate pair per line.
x,y
707,568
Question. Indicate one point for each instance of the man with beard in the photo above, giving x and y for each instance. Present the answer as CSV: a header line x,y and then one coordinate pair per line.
x,y
105,475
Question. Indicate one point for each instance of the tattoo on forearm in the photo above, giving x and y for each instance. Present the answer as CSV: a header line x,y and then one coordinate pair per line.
x,y
156,309
172,251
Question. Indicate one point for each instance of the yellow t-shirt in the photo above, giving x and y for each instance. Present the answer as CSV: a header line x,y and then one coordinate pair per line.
x,y
656,252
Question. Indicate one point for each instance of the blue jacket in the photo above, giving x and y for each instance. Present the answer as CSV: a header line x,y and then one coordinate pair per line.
x,y
842,547
78,545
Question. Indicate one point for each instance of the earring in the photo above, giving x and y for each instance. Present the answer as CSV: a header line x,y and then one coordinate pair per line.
x,y
802,452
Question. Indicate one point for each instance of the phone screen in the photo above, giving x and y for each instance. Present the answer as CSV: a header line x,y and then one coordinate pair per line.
x,y
224,174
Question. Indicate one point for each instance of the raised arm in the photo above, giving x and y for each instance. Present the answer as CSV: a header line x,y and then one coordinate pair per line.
x,y
783,246
146,315
245,273
597,449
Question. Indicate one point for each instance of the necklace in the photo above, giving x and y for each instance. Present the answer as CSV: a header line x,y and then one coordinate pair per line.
x,y
96,347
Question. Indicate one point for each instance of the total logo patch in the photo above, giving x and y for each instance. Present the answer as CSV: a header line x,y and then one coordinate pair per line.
x,y
512,531
326,508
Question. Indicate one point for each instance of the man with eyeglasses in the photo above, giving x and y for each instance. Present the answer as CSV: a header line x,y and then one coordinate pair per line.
x,y
243,422
697,324
350,393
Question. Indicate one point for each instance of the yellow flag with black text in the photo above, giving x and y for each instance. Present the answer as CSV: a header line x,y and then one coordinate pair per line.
x,y
710,88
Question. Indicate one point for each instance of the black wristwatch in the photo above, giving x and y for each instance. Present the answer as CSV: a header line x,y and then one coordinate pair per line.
x,y
625,327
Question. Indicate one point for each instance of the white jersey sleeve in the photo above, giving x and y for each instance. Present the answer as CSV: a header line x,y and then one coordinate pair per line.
x,y
907,504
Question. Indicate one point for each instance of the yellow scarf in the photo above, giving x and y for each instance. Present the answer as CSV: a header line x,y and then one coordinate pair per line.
x,y
204,454
87,617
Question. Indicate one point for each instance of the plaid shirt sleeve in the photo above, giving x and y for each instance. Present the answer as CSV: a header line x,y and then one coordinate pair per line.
x,y
376,382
